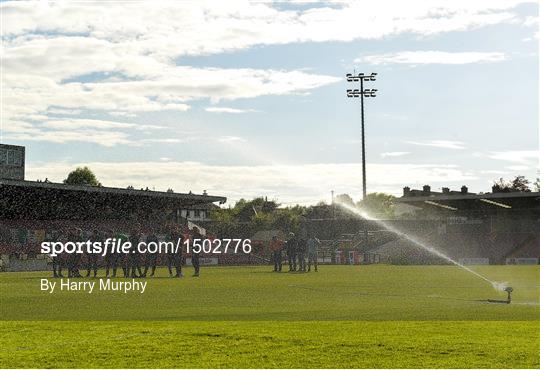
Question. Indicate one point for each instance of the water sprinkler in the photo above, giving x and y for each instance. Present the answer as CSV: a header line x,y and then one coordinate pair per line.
x,y
508,290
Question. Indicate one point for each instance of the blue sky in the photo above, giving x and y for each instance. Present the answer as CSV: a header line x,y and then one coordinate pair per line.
x,y
245,99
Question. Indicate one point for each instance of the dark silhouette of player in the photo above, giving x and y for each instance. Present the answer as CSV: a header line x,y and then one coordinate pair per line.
x,y
74,259
195,255
276,247
134,256
57,262
174,257
111,260
301,248
92,258
151,258
290,247
313,247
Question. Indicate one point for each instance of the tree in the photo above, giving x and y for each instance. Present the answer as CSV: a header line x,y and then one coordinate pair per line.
x,y
82,176
250,216
287,219
519,184
501,186
537,184
320,211
344,199
380,205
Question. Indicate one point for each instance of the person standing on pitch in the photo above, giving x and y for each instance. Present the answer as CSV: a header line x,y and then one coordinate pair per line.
x,y
313,247
123,258
62,258
51,236
178,240
276,246
134,256
151,258
92,258
301,254
74,259
169,253
291,251
196,236
111,260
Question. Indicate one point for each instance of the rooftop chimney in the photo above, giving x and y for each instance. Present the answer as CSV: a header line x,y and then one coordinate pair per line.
x,y
406,191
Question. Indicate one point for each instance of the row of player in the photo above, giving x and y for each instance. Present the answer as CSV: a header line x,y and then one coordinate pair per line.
x,y
300,253
296,249
132,264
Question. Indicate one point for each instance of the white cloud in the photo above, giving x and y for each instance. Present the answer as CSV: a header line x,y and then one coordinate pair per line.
x,y
228,110
518,168
132,52
104,138
80,123
231,139
101,132
444,144
288,183
394,154
493,172
27,95
432,57
164,141
393,117
122,114
206,27
68,112
532,21
518,156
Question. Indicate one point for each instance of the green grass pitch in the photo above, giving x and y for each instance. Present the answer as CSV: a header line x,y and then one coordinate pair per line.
x,y
342,316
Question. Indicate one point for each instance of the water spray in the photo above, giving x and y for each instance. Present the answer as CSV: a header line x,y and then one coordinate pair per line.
x,y
494,284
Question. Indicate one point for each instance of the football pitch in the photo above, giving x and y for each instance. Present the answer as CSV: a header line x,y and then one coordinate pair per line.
x,y
341,316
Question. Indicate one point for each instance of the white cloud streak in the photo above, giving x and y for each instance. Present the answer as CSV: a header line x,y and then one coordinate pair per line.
x,y
231,139
443,144
528,157
432,57
394,154
228,110
94,124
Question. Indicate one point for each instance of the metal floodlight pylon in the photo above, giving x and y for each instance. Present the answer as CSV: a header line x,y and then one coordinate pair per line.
x,y
362,93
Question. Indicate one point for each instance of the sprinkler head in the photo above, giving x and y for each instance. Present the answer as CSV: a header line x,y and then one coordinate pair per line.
x,y
509,290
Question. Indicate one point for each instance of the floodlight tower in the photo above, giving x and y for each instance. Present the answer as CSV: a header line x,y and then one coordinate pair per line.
x,y
362,93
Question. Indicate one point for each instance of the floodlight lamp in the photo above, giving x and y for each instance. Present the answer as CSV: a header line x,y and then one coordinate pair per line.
x,y
370,93
354,78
